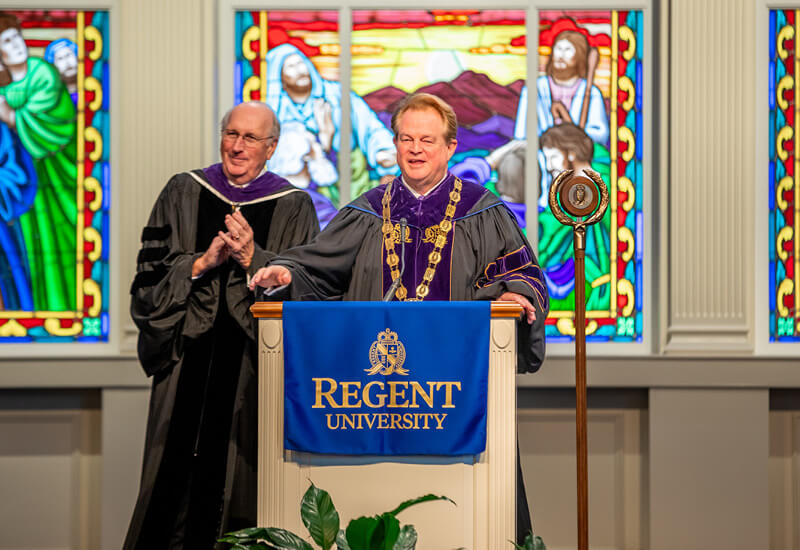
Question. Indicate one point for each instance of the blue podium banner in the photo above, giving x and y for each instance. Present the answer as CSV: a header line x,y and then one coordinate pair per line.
x,y
374,378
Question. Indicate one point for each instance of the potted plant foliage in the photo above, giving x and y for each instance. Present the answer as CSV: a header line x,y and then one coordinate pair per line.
x,y
320,517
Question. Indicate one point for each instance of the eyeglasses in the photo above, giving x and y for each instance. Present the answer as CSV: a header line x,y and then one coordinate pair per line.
x,y
249,139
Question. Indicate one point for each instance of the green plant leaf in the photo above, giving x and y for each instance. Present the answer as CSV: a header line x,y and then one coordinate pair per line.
x,y
249,533
407,539
341,541
376,541
418,500
391,531
233,540
531,542
360,531
526,543
538,543
320,516
285,540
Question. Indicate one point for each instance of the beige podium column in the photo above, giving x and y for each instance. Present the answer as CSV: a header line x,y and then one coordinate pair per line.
x,y
484,491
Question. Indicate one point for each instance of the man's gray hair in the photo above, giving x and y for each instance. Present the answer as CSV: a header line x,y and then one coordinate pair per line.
x,y
276,125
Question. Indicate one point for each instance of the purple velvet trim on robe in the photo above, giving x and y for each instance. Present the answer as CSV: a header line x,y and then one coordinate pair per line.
x,y
428,210
517,266
508,263
265,184
424,214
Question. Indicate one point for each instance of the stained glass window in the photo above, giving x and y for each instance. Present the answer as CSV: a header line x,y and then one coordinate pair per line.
x,y
589,112
290,59
784,177
54,176
588,98
474,60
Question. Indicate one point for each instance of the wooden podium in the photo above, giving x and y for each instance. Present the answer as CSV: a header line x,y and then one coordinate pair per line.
x,y
484,490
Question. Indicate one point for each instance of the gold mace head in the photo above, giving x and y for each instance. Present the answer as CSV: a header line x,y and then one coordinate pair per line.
x,y
578,195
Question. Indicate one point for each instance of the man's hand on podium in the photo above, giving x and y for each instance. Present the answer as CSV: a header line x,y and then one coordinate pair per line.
x,y
530,311
271,277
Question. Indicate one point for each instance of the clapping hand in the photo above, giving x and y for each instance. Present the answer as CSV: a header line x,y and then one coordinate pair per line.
x,y
216,254
238,238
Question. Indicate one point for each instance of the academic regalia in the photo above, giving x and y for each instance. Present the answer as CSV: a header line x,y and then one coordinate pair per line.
x,y
485,255
198,342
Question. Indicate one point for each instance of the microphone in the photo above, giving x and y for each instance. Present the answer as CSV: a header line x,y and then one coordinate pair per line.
x,y
396,283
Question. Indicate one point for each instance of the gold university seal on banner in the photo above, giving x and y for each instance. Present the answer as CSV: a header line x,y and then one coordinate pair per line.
x,y
387,354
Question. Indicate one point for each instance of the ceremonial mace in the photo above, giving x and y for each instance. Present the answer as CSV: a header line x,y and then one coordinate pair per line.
x,y
579,196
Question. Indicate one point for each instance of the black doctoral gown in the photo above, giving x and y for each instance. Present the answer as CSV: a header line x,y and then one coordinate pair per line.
x,y
198,342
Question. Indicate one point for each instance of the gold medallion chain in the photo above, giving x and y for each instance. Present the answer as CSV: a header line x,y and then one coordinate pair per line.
x,y
392,259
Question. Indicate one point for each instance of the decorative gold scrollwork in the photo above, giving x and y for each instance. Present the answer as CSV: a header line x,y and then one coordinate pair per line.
x,y
783,186
93,34
92,135
784,235
53,326
784,135
91,288
251,85
626,186
624,234
625,288
251,34
626,34
784,84
626,136
92,185
786,288
567,326
786,33
626,85
91,235
93,85
12,328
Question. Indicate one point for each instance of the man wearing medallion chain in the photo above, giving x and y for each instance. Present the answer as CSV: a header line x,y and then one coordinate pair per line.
x,y
208,232
461,242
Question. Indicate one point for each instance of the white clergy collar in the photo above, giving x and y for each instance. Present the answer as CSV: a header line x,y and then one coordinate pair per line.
x,y
420,195
243,185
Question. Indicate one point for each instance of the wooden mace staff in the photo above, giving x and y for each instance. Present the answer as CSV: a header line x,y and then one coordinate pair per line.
x,y
579,196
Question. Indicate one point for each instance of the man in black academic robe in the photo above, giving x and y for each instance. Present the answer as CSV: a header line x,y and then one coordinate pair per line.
x,y
461,242
209,231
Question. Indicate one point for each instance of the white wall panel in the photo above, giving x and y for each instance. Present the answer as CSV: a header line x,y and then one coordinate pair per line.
x,y
784,480
708,221
49,479
547,449
166,121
